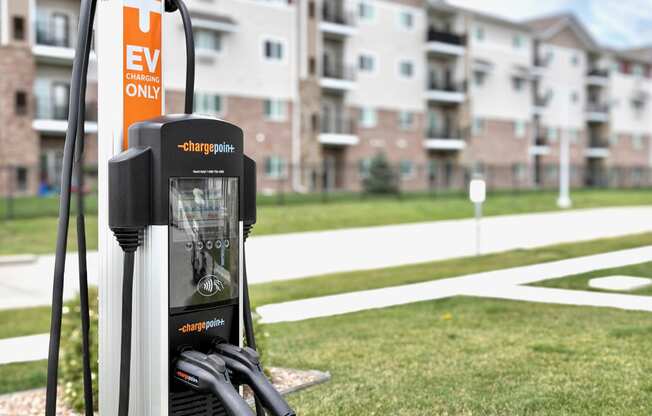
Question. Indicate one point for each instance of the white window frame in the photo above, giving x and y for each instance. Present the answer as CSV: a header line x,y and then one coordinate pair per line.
x,y
405,115
478,126
520,129
371,6
279,116
374,59
284,49
401,23
371,122
275,173
400,72
222,109
411,174
207,51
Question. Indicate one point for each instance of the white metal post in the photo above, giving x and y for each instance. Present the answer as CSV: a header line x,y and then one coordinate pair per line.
x,y
120,22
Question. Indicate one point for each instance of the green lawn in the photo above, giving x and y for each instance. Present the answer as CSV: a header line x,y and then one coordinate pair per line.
x,y
468,356
581,281
38,235
36,320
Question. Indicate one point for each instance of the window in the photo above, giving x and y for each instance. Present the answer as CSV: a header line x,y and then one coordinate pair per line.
x,y
518,83
519,171
407,168
60,27
552,134
406,120
366,11
275,110
638,70
575,59
368,117
274,167
273,50
517,41
479,33
364,166
550,55
21,103
210,104
406,69
637,141
208,40
520,128
574,135
613,139
478,126
21,179
19,28
406,20
478,78
575,97
366,63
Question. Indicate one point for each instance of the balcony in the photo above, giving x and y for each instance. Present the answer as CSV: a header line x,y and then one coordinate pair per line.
x,y
448,139
597,112
540,65
335,21
539,105
445,43
338,77
597,77
338,130
540,147
445,92
52,118
598,148
52,46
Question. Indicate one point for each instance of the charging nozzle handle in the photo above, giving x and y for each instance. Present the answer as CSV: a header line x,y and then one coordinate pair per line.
x,y
207,374
253,376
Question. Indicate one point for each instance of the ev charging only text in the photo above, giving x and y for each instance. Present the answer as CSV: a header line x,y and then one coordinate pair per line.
x,y
140,84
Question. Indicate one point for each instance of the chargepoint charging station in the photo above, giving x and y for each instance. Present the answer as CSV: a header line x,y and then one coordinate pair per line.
x,y
177,202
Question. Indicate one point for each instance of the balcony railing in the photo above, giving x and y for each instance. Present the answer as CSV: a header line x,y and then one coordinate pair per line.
x,y
338,124
445,37
47,109
540,101
598,142
45,35
443,133
437,85
597,107
333,13
597,72
339,71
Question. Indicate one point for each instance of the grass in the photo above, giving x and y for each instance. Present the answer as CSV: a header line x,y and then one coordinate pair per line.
x,y
22,376
36,320
581,281
468,356
22,322
38,235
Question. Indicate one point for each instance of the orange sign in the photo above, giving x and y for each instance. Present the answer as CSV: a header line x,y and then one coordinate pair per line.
x,y
142,57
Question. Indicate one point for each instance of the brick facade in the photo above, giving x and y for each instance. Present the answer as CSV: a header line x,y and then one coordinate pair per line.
x,y
19,144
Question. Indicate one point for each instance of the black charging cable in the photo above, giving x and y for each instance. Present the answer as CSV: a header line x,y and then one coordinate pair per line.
x,y
75,120
73,152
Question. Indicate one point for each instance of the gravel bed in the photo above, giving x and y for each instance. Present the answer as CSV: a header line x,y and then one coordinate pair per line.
x,y
32,402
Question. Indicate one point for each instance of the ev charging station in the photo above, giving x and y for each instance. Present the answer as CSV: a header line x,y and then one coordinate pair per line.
x,y
176,204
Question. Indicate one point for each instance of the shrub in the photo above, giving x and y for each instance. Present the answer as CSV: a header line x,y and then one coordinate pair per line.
x,y
381,177
71,351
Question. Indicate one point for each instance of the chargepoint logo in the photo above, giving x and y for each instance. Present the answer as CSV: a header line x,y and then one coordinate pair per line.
x,y
190,379
201,326
206,148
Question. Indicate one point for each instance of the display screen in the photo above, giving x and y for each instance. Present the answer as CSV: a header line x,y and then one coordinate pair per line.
x,y
204,241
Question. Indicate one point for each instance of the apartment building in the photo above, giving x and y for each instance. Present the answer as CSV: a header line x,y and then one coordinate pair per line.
x,y
37,40
322,86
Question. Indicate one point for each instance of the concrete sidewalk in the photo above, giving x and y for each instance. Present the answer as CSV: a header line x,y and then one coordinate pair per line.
x,y
291,256
501,284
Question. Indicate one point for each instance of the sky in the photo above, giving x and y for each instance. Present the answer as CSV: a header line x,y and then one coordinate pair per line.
x,y
615,23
